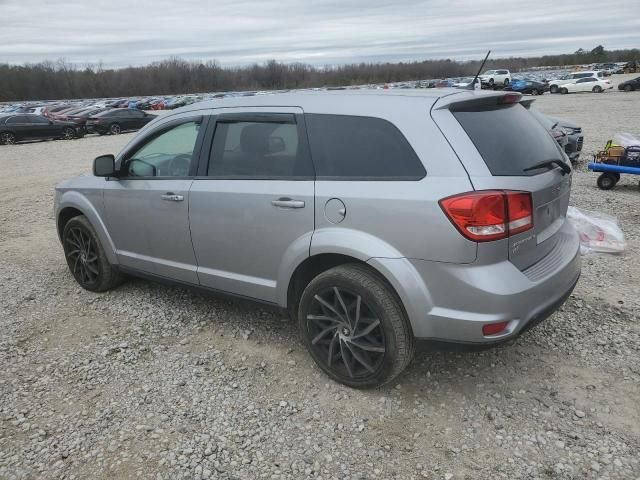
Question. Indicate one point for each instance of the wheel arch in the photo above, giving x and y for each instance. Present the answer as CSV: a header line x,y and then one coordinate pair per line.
x,y
380,258
73,204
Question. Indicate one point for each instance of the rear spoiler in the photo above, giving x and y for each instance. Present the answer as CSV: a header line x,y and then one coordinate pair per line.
x,y
476,99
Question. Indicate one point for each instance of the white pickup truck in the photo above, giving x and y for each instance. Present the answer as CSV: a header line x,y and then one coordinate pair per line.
x,y
496,78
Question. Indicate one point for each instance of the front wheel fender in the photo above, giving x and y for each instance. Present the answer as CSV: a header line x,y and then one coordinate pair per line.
x,y
76,200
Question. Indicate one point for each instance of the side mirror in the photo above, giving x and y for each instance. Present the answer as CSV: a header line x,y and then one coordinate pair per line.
x,y
104,166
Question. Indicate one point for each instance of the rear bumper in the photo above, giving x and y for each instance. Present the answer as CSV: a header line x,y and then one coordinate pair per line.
x,y
462,298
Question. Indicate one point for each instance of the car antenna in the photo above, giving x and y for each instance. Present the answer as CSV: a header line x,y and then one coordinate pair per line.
x,y
472,86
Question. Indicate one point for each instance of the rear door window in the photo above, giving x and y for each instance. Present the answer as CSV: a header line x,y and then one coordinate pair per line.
x,y
347,147
508,138
259,150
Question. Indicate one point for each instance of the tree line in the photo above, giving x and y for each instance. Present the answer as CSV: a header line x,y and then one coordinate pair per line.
x,y
63,80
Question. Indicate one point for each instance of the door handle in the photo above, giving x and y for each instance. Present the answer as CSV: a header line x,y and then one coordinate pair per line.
x,y
286,202
172,197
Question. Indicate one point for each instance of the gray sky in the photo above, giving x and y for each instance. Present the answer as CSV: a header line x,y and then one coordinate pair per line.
x,y
237,32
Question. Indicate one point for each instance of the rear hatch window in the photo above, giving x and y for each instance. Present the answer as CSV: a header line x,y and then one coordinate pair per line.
x,y
509,139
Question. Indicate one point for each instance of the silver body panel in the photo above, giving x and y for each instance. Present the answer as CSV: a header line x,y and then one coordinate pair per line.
x,y
229,235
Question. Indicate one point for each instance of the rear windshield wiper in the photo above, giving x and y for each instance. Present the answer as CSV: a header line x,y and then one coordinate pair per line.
x,y
549,163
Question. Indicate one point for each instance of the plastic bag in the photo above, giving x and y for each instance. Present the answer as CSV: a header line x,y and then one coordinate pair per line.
x,y
599,232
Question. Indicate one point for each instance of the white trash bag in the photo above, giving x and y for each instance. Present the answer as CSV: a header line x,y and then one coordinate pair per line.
x,y
599,232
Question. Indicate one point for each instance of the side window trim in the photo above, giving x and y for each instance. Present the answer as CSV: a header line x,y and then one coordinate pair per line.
x,y
259,117
159,130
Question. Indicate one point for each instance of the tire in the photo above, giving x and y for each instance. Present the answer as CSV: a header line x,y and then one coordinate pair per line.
x,y
564,91
364,352
506,82
553,89
628,88
86,258
491,82
607,181
114,129
597,89
68,133
534,91
7,138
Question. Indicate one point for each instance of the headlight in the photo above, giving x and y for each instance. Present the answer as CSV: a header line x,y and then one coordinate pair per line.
x,y
567,131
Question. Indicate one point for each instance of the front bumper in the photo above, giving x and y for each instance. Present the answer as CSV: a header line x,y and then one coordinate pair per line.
x,y
464,297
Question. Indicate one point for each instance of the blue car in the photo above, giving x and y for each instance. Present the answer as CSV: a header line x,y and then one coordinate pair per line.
x,y
526,85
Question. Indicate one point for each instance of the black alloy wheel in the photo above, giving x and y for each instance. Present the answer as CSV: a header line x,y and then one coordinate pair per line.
x,y
354,326
68,133
346,333
82,256
86,258
7,138
115,129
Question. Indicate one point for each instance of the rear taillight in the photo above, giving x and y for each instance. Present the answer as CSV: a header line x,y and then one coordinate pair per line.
x,y
490,214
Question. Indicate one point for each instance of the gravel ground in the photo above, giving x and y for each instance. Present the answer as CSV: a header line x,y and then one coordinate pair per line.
x,y
150,381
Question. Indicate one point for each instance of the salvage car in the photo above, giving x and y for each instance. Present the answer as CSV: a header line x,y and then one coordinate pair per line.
x,y
526,85
117,120
575,138
24,126
630,85
374,218
496,78
589,84
554,85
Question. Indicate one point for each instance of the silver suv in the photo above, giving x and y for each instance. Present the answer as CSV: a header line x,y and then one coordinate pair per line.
x,y
376,218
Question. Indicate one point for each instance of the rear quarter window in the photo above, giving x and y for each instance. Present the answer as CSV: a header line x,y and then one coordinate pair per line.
x,y
345,147
508,138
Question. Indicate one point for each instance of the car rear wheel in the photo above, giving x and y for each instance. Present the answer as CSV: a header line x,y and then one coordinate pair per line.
x,y
597,89
115,129
86,257
7,138
534,92
607,181
68,133
506,82
354,327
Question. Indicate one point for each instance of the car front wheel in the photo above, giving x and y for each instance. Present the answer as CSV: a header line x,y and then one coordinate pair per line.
x,y
597,89
553,89
564,91
628,88
115,129
86,257
354,327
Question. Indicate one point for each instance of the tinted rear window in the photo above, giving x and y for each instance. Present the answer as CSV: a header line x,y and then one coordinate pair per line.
x,y
347,147
509,139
